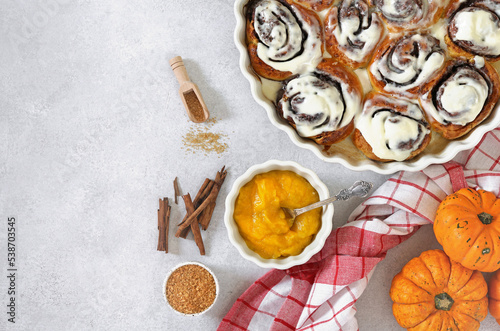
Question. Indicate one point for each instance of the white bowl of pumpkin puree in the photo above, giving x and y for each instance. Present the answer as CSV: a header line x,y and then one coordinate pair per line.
x,y
258,227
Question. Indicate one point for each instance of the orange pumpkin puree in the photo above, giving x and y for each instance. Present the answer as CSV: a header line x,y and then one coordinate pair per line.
x,y
263,224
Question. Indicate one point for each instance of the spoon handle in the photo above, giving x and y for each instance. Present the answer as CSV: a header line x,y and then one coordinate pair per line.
x,y
179,69
359,188
315,205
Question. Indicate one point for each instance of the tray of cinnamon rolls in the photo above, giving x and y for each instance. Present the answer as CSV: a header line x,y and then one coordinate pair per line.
x,y
381,85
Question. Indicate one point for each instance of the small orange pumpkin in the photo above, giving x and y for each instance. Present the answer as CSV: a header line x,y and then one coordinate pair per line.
x,y
467,225
434,293
494,296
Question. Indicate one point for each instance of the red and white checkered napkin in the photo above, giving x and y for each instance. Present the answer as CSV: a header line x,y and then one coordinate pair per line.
x,y
320,295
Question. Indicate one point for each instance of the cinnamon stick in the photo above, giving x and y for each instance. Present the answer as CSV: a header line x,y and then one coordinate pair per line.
x,y
161,227
192,217
166,222
176,190
209,200
206,215
200,191
202,194
194,225
184,232
159,219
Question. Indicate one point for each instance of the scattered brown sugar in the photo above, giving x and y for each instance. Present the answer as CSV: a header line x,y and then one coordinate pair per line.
x,y
191,289
194,105
202,139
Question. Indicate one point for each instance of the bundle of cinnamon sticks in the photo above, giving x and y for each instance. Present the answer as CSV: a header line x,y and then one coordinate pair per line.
x,y
198,212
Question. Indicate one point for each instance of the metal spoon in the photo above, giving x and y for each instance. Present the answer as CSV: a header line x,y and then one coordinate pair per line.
x,y
359,189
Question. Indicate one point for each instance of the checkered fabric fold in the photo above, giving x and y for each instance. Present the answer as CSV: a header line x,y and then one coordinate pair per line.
x,y
321,294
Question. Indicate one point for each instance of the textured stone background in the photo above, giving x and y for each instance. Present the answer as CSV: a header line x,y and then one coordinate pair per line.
x,y
92,135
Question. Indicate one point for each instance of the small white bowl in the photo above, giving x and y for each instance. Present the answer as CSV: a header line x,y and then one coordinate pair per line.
x,y
190,263
290,261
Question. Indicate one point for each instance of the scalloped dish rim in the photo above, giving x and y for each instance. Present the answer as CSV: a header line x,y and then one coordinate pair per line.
x,y
314,247
452,148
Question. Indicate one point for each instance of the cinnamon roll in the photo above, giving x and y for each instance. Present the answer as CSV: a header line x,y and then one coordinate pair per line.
x,y
474,29
404,64
391,129
317,5
321,105
352,31
407,15
283,38
461,96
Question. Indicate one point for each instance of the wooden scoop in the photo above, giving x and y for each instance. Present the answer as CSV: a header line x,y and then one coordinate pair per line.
x,y
189,92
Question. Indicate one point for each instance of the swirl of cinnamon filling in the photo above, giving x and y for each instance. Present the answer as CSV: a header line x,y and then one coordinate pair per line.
x,y
391,129
460,97
476,29
404,15
352,32
320,103
403,65
283,36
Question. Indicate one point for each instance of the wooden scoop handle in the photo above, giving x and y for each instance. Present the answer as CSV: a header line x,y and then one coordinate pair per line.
x,y
179,69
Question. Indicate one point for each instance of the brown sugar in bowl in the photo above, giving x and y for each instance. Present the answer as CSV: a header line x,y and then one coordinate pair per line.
x,y
190,289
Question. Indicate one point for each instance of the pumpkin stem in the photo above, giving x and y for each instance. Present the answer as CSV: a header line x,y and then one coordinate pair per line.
x,y
485,218
443,301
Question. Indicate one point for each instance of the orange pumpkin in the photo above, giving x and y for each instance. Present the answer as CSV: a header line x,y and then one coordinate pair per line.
x,y
467,225
434,293
494,296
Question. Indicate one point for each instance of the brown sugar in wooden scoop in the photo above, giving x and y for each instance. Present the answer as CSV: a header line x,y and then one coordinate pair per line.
x,y
189,92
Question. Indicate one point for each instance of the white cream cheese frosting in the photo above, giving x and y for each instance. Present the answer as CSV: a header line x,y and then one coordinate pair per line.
x,y
356,30
479,28
460,98
409,14
287,42
403,11
409,62
317,104
391,133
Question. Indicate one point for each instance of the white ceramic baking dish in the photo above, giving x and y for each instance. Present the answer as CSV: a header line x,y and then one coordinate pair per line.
x,y
439,150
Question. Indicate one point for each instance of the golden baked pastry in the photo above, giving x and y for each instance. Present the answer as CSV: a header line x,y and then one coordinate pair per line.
x,y
474,29
402,65
321,105
408,15
282,38
390,129
352,31
316,5
399,45
461,96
